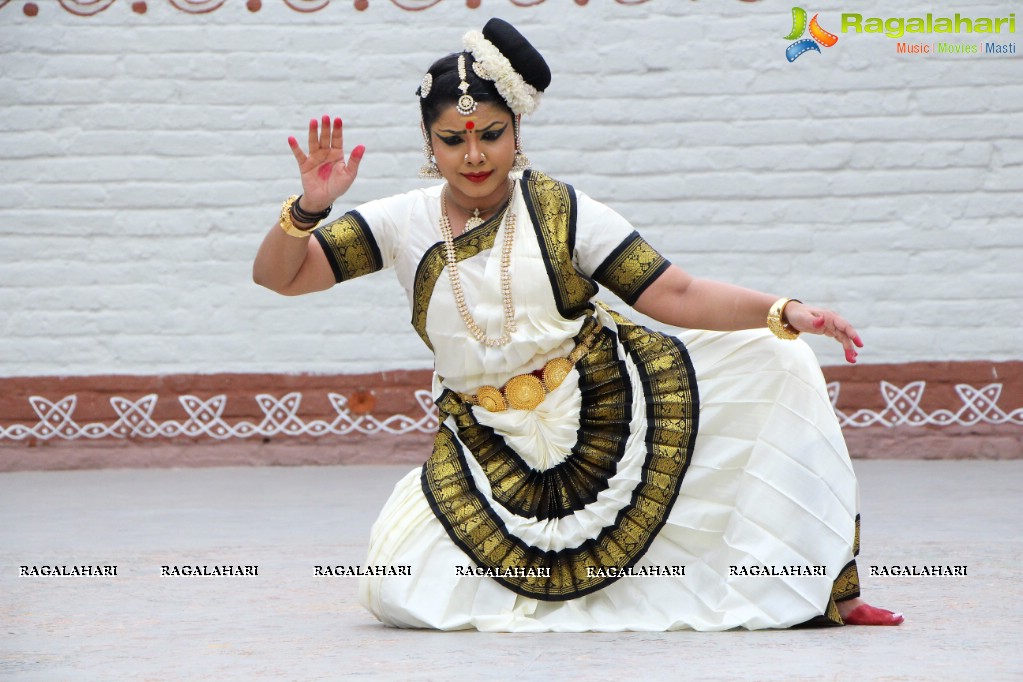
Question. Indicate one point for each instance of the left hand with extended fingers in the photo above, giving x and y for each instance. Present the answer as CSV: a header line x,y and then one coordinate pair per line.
x,y
814,320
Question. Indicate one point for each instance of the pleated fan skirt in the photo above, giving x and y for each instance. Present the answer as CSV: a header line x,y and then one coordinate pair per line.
x,y
762,522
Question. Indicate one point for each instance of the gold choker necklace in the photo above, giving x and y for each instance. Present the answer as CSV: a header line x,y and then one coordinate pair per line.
x,y
508,325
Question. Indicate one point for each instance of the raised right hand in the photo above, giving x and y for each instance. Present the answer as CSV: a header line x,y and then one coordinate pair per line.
x,y
325,175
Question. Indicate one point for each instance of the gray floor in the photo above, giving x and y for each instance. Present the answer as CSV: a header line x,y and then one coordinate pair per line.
x,y
287,624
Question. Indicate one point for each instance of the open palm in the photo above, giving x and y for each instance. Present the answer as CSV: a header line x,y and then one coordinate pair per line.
x,y
325,175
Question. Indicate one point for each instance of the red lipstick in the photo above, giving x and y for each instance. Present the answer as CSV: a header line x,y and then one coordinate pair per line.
x,y
477,177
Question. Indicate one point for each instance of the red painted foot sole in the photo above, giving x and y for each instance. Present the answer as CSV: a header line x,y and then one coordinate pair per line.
x,y
870,615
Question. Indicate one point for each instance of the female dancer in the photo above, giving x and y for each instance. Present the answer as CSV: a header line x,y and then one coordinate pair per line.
x,y
588,473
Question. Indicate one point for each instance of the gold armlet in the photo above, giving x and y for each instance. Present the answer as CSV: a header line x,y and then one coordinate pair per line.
x,y
288,226
776,320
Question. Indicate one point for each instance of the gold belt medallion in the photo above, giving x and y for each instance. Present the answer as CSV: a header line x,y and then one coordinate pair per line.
x,y
527,391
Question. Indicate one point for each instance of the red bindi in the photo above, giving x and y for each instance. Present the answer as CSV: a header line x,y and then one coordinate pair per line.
x,y
469,125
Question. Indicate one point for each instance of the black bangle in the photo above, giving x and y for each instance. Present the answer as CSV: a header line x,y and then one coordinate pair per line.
x,y
301,216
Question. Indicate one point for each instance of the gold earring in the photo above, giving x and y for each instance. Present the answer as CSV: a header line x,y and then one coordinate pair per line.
x,y
521,162
429,169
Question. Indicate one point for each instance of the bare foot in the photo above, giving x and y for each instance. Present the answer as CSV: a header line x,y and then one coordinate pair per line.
x,y
858,612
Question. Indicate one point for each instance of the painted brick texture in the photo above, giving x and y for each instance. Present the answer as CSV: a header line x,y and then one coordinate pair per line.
x,y
143,156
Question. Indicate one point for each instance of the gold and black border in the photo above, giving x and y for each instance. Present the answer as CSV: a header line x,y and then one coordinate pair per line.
x,y
432,264
845,587
631,268
562,490
672,404
350,247
553,209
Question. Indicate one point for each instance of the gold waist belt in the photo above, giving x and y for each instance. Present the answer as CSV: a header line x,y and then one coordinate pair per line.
x,y
526,391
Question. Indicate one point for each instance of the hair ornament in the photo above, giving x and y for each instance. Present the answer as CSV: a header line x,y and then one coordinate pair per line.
x,y
481,70
521,97
427,85
466,103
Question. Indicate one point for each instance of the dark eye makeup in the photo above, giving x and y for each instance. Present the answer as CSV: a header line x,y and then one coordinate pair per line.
x,y
488,135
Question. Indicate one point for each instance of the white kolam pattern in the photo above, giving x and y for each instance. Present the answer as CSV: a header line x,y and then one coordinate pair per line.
x,y
206,418
902,408
134,418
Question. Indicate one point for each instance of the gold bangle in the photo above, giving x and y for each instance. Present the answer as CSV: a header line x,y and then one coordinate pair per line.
x,y
776,320
288,226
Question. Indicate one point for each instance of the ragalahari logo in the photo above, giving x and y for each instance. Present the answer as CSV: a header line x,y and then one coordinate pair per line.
x,y
817,35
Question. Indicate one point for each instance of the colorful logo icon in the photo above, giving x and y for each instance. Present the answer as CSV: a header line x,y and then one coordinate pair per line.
x,y
817,35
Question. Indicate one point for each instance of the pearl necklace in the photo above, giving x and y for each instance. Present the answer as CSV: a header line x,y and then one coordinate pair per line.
x,y
508,325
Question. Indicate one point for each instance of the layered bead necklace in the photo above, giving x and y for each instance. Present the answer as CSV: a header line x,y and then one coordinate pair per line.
x,y
508,325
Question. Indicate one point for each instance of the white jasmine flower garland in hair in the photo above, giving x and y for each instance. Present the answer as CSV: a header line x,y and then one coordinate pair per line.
x,y
522,98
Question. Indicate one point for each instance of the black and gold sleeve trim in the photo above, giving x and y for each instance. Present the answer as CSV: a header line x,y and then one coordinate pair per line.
x,y
631,268
350,247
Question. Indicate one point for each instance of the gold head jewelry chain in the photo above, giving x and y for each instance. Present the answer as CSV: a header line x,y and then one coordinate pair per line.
x,y
508,326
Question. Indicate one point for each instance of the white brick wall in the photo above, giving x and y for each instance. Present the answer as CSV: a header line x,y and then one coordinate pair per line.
x,y
143,156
